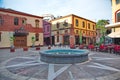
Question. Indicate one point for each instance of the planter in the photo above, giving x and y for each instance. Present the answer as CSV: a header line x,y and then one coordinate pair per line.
x,y
49,47
12,50
25,49
37,48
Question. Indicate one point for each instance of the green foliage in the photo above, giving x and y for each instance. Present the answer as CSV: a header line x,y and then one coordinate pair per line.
x,y
12,38
33,38
101,25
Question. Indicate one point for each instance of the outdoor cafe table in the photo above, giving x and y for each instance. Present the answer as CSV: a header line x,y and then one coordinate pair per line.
x,y
97,48
110,48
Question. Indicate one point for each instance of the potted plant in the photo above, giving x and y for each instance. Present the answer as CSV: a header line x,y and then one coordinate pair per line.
x,y
38,47
25,49
12,48
33,41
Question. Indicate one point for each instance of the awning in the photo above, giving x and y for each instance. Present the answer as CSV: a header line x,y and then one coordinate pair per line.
x,y
114,34
113,25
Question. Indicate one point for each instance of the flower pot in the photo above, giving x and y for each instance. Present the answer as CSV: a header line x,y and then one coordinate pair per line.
x,y
12,50
37,48
25,49
49,47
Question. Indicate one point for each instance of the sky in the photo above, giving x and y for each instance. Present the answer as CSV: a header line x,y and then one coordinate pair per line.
x,y
90,9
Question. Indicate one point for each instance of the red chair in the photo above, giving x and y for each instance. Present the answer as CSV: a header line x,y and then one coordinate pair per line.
x,y
91,47
72,46
103,48
81,46
117,49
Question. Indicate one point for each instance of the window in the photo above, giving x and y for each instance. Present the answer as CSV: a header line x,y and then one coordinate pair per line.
x,y
57,36
65,23
48,28
37,23
117,1
118,16
37,36
16,21
88,25
77,31
77,23
1,20
0,37
93,27
83,24
66,31
24,21
58,25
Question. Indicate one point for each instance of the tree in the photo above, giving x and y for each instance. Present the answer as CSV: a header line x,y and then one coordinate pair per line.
x,y
12,38
101,25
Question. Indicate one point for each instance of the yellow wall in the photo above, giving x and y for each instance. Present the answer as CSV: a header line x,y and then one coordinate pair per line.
x,y
61,21
5,39
115,7
29,40
81,28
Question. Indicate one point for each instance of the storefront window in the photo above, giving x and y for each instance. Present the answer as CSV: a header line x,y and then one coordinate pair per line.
x,y
37,37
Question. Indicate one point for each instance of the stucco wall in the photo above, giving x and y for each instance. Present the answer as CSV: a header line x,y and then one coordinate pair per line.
x,y
5,39
115,7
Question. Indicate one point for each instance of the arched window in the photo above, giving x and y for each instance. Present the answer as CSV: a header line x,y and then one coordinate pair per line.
x,y
16,21
118,16
117,1
88,25
83,24
76,21
37,23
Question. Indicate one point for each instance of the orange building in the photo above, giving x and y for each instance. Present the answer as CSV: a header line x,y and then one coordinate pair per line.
x,y
20,29
73,27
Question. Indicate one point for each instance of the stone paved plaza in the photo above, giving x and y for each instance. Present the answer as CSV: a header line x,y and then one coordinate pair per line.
x,y
26,65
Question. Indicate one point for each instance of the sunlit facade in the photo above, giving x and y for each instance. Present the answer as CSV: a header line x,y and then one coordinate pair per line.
x,y
68,29
22,26
115,26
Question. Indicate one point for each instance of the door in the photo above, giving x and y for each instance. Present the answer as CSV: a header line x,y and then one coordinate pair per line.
x,y
20,41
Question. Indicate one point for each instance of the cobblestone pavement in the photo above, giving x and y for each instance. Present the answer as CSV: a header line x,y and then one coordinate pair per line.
x,y
26,65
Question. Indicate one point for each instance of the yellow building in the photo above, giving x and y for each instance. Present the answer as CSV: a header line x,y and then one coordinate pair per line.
x,y
69,29
20,29
116,21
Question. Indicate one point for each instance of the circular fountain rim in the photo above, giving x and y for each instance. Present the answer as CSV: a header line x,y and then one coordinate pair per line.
x,y
64,58
84,52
